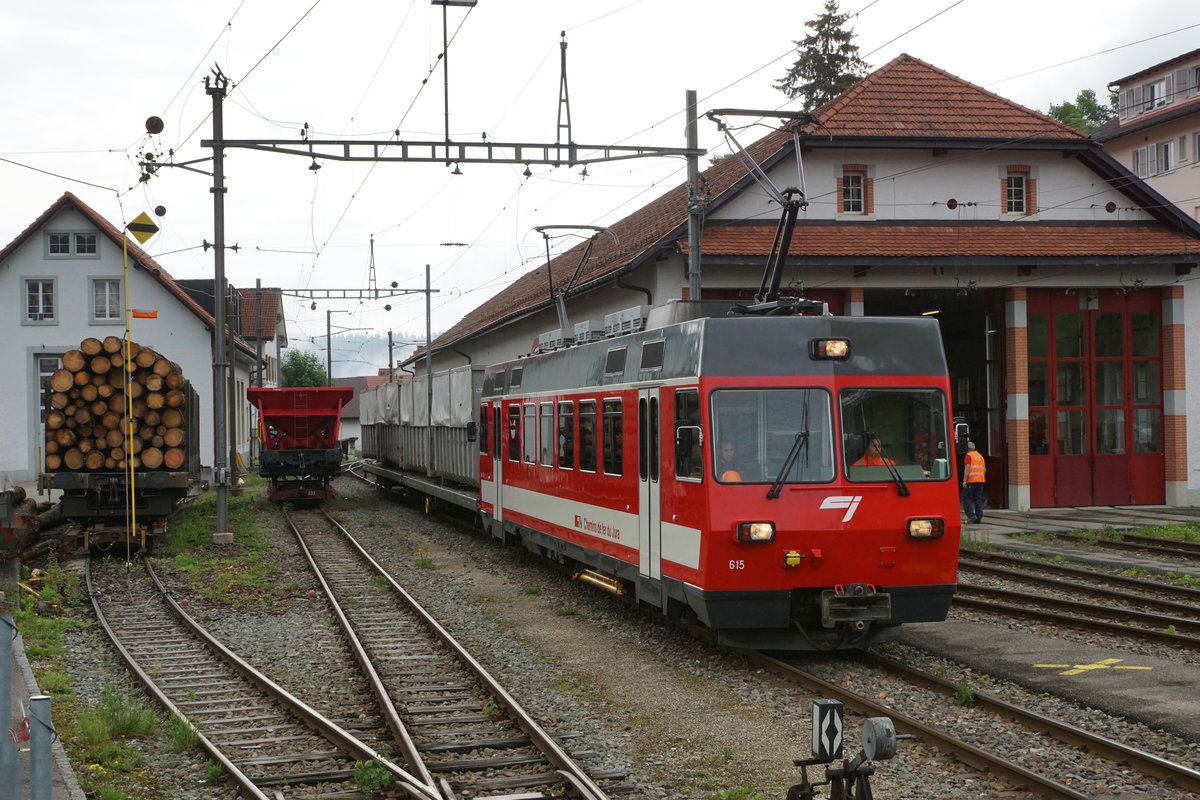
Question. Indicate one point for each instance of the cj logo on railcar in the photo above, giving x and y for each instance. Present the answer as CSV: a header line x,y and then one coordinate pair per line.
x,y
847,501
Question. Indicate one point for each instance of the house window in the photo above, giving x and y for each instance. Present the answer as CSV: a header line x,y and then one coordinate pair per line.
x,y
106,299
70,244
59,244
855,190
852,194
1154,95
39,300
1014,194
1165,156
1018,191
85,244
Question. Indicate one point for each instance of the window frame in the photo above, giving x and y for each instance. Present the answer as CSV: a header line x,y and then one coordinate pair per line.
x,y
529,431
46,318
854,183
1011,205
589,409
685,419
612,438
547,449
93,285
78,244
566,434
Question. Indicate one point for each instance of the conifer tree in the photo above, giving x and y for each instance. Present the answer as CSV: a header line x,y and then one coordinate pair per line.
x,y
828,62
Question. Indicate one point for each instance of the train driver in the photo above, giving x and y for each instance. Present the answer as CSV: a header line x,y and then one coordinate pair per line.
x,y
873,455
727,468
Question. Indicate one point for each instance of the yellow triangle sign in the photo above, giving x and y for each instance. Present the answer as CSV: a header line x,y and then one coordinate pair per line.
x,y
142,227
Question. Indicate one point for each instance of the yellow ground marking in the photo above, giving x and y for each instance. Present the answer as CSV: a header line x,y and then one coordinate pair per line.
x,y
1077,669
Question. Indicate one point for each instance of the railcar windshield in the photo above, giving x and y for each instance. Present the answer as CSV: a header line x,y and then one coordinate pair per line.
x,y
891,434
755,431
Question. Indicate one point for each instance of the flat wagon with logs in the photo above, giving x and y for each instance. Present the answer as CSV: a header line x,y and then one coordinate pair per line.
x,y
107,419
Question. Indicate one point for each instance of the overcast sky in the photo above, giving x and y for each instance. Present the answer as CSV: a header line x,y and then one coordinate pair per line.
x,y
80,78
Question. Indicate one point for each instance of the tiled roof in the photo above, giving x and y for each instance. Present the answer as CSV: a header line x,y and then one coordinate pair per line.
x,y
138,257
272,312
908,97
913,240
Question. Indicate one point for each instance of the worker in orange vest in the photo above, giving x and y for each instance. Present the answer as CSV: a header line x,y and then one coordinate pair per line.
x,y
973,483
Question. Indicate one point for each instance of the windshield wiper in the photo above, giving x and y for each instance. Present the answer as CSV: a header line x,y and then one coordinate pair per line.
x,y
799,444
901,486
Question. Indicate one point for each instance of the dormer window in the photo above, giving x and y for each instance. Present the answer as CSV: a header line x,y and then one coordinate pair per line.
x,y
1154,95
856,191
1018,191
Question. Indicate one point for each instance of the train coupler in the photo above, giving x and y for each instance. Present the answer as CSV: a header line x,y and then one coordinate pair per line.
x,y
854,604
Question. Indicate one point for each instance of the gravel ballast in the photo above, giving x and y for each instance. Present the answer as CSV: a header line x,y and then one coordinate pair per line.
x,y
682,719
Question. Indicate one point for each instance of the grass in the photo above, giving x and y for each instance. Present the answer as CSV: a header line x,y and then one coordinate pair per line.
x,y
244,574
40,618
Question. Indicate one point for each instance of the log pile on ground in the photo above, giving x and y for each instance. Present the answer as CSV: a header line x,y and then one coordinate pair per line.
x,y
102,412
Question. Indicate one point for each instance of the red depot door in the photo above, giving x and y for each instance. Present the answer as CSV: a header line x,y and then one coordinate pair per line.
x,y
1095,398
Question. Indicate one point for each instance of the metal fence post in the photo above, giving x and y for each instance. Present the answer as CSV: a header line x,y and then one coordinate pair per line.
x,y
40,730
11,786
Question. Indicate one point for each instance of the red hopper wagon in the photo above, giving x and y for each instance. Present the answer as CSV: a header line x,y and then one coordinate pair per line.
x,y
300,447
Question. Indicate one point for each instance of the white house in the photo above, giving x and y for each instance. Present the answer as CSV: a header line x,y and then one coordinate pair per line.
x,y
1060,279
64,276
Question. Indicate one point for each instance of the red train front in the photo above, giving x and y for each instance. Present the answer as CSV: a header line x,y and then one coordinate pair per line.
x,y
719,469
300,449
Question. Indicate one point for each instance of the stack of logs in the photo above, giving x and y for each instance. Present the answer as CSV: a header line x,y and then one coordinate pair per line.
x,y
88,418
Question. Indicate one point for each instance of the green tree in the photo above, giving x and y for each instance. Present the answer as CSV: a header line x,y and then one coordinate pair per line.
x,y
1086,113
828,62
302,368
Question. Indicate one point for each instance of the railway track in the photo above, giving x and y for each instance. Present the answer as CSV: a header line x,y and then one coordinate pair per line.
x,y
459,728
914,714
1129,542
1126,607
268,742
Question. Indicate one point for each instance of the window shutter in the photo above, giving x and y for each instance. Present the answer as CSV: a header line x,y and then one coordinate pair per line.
x,y
1183,82
1141,162
1151,160
1123,104
1169,97
1136,106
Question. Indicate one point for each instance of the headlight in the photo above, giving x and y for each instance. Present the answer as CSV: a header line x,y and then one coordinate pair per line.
x,y
835,349
755,531
926,528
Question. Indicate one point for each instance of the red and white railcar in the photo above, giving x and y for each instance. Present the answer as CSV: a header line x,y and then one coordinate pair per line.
x,y
608,456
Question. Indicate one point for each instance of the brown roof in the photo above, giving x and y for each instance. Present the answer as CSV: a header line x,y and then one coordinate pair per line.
x,y
911,98
913,240
272,312
138,257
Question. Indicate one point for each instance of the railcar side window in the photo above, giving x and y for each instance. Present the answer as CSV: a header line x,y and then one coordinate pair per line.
x,y
546,425
614,428
689,459
756,433
566,435
483,429
909,427
514,432
587,435
530,434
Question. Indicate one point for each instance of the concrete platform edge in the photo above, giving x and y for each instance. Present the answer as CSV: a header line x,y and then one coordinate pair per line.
x,y
64,773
